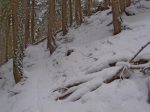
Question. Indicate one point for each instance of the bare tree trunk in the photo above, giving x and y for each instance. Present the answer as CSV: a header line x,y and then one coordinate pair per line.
x,y
51,26
32,20
89,7
116,16
27,23
10,40
122,5
64,17
0,34
6,29
78,12
17,38
70,12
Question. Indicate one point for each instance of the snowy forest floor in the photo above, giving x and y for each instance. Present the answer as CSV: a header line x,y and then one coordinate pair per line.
x,y
92,48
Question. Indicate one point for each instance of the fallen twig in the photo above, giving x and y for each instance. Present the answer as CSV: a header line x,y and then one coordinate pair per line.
x,y
142,48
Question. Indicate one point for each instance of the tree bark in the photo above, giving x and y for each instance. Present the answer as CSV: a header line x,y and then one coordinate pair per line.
x,y
78,12
70,12
116,16
64,17
17,38
51,19
32,20
89,7
27,23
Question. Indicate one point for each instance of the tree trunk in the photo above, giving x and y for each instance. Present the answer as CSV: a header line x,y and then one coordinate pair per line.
x,y
116,16
64,17
89,7
27,23
32,21
6,36
4,30
78,12
51,26
17,37
70,12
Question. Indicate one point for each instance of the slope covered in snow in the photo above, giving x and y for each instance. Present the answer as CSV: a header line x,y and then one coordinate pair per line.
x,y
92,47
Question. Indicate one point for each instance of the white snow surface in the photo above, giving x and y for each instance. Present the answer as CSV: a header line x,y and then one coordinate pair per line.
x,y
94,48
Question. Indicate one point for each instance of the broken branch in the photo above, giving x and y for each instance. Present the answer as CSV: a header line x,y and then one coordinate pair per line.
x,y
142,48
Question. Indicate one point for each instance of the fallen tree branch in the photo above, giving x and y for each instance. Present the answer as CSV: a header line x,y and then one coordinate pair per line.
x,y
116,76
83,90
92,85
74,93
67,93
76,89
75,82
142,48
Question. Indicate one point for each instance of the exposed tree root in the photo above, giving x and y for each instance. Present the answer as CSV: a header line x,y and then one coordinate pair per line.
x,y
75,92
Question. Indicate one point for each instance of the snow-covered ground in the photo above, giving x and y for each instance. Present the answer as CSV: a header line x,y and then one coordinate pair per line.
x,y
94,47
